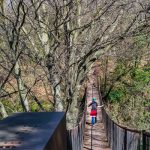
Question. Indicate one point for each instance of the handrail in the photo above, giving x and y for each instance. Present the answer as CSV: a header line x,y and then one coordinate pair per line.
x,y
128,128
121,137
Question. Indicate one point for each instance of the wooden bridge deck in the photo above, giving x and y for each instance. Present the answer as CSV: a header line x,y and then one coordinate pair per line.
x,y
99,140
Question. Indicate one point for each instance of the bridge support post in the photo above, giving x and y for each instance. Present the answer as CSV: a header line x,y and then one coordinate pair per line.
x,y
91,136
125,139
143,140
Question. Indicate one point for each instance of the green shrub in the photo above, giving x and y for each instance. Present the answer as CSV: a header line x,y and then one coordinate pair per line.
x,y
116,95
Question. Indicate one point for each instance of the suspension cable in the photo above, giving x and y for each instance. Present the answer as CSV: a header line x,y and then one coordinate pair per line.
x,y
91,120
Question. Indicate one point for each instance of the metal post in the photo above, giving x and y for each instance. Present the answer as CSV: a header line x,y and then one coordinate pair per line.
x,y
92,91
91,136
143,140
125,139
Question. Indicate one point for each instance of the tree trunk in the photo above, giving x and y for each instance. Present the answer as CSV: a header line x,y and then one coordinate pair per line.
x,y
58,101
105,72
73,111
2,110
21,88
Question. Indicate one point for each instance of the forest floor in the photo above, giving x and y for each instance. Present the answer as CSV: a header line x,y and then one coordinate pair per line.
x,y
99,140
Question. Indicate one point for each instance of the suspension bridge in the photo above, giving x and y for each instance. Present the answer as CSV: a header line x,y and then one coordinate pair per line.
x,y
43,131
95,135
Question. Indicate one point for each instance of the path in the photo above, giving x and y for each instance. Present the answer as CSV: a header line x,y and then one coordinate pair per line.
x,y
99,141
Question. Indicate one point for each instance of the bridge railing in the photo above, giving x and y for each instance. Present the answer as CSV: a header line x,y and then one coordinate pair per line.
x,y
123,138
75,136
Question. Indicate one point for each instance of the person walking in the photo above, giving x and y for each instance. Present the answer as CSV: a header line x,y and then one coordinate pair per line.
x,y
93,112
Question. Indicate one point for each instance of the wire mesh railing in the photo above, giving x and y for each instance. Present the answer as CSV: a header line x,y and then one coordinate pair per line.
x,y
75,136
123,138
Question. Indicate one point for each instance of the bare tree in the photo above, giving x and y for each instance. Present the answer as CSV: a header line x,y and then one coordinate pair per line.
x,y
66,38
